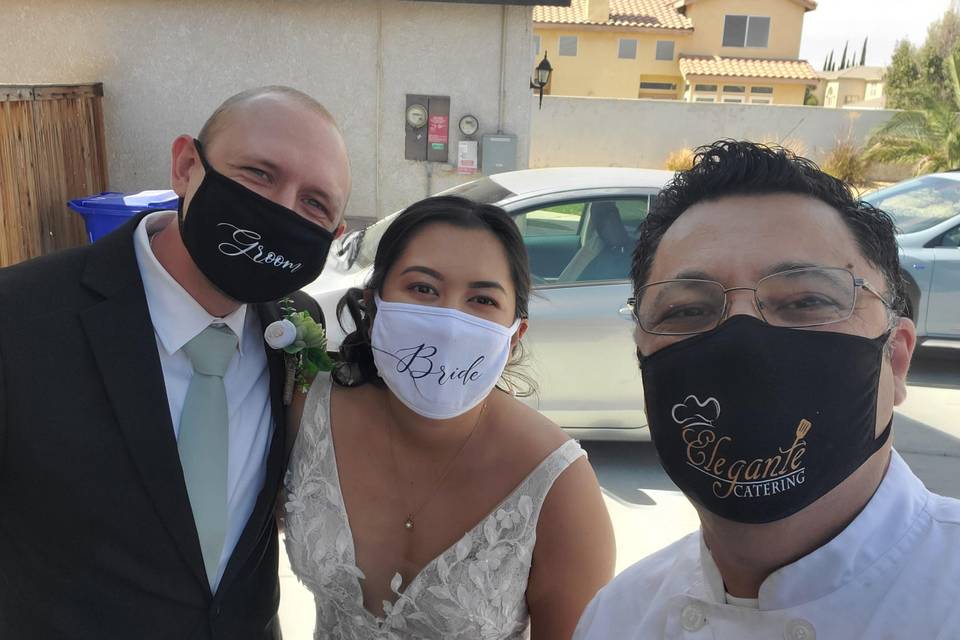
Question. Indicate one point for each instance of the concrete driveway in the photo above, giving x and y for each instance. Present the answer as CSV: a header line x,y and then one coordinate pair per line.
x,y
649,512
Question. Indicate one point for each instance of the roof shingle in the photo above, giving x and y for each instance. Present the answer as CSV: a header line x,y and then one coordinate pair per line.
x,y
870,74
652,14
747,68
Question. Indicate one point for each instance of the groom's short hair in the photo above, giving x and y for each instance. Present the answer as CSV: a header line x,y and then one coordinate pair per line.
x,y
221,115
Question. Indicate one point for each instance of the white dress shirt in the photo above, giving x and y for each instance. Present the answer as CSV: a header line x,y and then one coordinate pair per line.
x,y
177,319
893,573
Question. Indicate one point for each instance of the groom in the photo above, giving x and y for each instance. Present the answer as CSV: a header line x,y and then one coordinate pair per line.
x,y
142,427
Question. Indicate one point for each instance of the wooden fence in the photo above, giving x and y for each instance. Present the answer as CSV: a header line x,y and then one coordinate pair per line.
x,y
51,151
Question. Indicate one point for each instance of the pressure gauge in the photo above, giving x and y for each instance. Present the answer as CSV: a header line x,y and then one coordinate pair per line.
x,y
417,116
469,125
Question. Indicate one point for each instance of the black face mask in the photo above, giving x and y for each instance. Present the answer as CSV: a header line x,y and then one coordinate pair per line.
x,y
249,247
755,422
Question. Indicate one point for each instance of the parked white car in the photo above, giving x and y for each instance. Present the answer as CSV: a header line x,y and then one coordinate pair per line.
x,y
579,226
927,213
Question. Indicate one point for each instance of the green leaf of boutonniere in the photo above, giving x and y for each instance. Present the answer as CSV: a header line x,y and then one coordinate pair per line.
x,y
300,336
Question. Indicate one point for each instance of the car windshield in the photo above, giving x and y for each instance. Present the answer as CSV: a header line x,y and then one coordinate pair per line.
x,y
920,203
361,246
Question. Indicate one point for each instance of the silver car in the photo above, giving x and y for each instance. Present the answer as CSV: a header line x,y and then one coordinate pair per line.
x,y
927,213
579,226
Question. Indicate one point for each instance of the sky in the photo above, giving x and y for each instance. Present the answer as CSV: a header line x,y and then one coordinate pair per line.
x,y
883,21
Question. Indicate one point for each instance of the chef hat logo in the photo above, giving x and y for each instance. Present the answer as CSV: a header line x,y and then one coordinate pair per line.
x,y
692,412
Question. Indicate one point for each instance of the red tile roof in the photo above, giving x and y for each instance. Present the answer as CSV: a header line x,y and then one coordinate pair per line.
x,y
651,14
747,68
808,5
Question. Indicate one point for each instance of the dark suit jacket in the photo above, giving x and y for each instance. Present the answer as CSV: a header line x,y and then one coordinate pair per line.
x,y
97,539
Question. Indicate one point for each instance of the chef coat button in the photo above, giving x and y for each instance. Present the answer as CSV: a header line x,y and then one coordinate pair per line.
x,y
692,618
799,630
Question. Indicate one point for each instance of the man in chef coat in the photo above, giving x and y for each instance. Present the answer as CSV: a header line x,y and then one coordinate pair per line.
x,y
768,304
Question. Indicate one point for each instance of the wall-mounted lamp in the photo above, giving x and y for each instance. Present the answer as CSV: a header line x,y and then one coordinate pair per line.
x,y
543,76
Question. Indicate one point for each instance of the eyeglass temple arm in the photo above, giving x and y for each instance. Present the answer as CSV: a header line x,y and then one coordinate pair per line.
x,y
863,284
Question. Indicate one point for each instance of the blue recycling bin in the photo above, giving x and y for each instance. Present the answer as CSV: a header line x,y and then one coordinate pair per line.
x,y
104,212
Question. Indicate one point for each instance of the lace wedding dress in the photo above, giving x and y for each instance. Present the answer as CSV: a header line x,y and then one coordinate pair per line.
x,y
476,589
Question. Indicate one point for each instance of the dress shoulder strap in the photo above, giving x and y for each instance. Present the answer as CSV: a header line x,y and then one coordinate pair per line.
x,y
538,484
315,420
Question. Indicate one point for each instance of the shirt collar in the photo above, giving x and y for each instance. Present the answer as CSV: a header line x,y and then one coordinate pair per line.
x,y
890,513
177,317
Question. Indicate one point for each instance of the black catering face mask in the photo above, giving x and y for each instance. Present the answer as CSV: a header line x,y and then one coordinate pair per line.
x,y
249,247
756,422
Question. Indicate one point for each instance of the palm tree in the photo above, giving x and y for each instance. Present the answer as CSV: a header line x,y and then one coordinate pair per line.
x,y
930,137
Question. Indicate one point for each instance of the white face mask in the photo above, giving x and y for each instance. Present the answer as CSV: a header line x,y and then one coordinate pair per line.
x,y
439,362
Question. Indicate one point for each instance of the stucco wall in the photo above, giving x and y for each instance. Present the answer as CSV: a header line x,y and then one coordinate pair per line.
x,y
849,90
642,133
789,93
166,64
598,71
786,24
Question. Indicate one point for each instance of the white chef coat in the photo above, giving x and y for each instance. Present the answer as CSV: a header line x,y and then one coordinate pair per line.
x,y
178,318
893,573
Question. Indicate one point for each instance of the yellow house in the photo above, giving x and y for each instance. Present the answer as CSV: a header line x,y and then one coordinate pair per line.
x,y
693,50
860,87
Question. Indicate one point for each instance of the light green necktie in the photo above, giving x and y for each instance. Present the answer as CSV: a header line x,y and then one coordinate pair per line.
x,y
203,441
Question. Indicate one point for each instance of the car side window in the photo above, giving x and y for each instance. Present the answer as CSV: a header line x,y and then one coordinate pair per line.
x,y
555,220
951,238
583,241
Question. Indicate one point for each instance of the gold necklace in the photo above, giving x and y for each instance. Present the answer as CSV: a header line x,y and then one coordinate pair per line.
x,y
408,523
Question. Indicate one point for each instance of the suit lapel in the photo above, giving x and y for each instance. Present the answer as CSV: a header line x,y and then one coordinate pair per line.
x,y
262,516
122,339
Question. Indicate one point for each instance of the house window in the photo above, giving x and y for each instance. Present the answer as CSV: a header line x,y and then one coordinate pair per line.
x,y
664,49
737,99
568,45
761,89
759,100
746,31
628,49
706,88
734,88
536,46
758,31
705,99
659,86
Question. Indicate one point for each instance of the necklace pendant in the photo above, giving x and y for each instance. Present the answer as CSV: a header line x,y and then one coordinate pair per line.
x,y
408,524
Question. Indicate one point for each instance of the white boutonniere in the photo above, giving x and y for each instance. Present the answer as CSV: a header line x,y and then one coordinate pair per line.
x,y
304,343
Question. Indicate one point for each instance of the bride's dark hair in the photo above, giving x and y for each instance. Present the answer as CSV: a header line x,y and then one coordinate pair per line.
x,y
356,355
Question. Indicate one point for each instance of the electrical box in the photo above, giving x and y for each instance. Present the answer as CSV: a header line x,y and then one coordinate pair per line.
x,y
467,154
438,129
415,125
499,153
427,128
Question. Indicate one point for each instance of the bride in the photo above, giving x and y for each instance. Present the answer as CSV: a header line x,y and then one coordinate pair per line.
x,y
423,500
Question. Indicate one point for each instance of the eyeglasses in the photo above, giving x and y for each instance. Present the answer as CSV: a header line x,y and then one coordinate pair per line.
x,y
804,297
